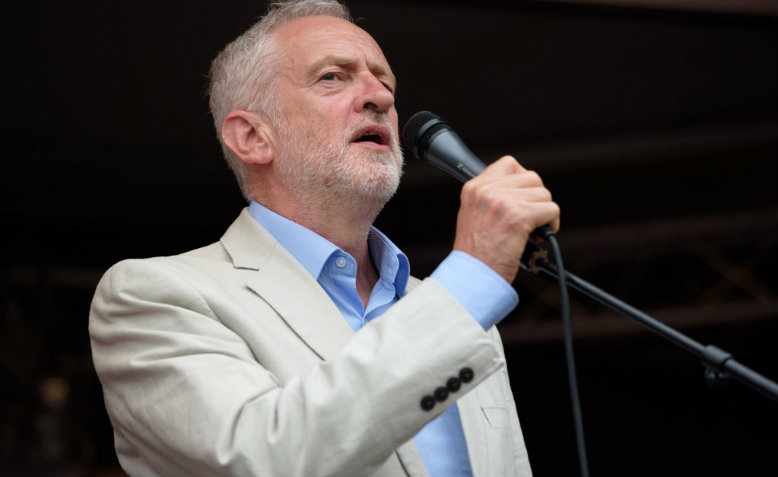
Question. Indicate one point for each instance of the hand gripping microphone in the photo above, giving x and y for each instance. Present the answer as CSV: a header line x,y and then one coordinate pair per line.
x,y
432,140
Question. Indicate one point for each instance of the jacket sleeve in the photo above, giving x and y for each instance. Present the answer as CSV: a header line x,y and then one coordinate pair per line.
x,y
187,396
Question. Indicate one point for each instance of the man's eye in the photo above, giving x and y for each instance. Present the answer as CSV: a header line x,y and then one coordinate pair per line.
x,y
329,77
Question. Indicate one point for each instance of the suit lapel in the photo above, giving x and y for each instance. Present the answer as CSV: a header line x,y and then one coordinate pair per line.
x,y
285,285
298,298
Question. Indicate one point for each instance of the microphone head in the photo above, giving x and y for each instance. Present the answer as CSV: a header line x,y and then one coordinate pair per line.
x,y
419,130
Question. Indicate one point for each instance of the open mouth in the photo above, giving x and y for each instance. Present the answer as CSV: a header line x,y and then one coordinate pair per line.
x,y
372,137
373,134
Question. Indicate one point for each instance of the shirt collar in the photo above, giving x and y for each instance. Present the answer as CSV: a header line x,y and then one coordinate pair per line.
x,y
392,264
312,250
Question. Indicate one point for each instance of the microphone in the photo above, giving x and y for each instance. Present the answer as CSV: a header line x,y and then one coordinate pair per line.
x,y
432,140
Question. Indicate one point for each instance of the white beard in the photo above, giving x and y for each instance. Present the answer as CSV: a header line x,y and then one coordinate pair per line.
x,y
316,168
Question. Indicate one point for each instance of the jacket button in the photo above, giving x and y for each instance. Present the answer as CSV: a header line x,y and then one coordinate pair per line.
x,y
427,402
441,393
466,375
453,384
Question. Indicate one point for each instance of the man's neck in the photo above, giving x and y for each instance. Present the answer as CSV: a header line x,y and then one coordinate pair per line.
x,y
345,222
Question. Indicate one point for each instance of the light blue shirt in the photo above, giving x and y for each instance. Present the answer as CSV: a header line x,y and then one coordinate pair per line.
x,y
480,291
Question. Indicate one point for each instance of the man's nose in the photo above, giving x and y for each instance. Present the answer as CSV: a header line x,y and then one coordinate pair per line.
x,y
374,95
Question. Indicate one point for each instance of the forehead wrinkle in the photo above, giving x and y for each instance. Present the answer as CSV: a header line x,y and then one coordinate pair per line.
x,y
341,36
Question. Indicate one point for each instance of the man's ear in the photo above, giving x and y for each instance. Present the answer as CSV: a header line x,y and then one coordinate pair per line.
x,y
246,134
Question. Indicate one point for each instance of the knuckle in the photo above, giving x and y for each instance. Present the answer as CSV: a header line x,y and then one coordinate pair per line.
x,y
481,191
534,178
541,194
507,159
469,190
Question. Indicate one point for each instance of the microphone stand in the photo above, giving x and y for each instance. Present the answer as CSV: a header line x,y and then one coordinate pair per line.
x,y
719,365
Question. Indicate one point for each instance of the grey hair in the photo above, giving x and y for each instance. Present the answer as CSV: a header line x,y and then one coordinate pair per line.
x,y
243,75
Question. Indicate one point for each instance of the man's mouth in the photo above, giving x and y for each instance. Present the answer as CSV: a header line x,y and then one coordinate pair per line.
x,y
375,134
376,138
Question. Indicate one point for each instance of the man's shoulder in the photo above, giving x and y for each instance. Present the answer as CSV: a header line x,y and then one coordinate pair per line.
x,y
213,252
148,272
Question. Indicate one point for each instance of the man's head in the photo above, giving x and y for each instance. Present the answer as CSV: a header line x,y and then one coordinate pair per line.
x,y
317,93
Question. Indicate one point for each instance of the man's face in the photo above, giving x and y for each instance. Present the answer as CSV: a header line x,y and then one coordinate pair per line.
x,y
338,127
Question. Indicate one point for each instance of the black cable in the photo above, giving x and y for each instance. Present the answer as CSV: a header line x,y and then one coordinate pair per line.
x,y
569,357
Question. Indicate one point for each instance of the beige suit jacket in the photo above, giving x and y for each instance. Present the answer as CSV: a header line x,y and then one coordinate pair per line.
x,y
232,360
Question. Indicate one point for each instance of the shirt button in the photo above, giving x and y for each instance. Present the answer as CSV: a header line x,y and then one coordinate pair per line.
x,y
340,262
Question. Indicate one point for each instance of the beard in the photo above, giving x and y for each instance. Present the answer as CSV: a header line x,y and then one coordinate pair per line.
x,y
319,168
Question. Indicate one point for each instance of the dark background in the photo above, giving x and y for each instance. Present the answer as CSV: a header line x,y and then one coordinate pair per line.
x,y
654,123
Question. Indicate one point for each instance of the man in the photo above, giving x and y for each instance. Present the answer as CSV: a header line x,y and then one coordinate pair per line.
x,y
298,344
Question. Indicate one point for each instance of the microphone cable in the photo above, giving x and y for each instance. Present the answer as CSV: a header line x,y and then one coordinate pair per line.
x,y
567,330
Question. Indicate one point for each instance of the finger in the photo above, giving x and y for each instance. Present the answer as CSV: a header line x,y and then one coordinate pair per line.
x,y
553,212
544,213
517,180
503,166
532,194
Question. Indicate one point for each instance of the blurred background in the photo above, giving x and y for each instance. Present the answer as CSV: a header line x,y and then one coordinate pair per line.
x,y
653,122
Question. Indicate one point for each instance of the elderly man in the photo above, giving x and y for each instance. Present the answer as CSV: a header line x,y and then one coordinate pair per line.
x,y
299,344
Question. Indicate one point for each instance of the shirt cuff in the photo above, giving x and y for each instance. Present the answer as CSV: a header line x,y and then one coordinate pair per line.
x,y
478,288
